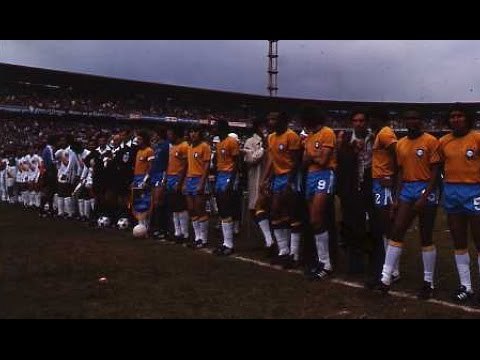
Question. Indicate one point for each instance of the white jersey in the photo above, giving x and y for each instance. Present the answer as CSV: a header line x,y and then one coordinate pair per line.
x,y
61,155
22,170
34,161
83,168
11,175
67,165
3,173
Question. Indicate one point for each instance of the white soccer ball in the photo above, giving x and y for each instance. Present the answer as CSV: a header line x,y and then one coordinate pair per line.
x,y
140,231
123,224
103,222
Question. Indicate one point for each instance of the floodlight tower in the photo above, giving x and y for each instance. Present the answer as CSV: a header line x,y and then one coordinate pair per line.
x,y
272,67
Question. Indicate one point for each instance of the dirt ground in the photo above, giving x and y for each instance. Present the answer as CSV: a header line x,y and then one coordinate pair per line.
x,y
51,268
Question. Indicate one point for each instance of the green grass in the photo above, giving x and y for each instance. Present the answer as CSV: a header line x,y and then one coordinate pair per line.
x,y
50,269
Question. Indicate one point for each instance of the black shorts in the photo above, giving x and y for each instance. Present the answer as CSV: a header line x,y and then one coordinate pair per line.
x,y
120,188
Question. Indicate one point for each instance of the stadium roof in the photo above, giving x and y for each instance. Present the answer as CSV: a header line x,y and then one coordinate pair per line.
x,y
84,82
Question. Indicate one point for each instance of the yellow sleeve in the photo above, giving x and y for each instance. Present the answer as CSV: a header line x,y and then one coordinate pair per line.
x,y
234,148
206,152
387,138
435,151
328,139
294,142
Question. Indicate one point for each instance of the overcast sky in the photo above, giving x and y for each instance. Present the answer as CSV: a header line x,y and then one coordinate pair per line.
x,y
362,70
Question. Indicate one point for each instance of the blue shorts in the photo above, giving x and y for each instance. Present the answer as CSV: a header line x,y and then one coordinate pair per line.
x,y
172,181
412,191
382,194
461,198
279,183
319,182
192,185
141,198
156,179
223,180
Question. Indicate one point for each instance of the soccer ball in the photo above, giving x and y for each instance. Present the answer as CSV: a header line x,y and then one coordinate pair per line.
x,y
140,231
103,222
123,224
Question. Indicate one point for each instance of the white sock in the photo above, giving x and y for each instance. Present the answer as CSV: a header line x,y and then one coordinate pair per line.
x,y
92,204
463,268
478,259
55,202
184,218
385,242
38,199
60,205
295,245
288,236
391,258
35,196
67,203
176,224
228,229
81,207
236,227
323,253
282,241
31,198
86,208
196,229
203,226
73,206
267,234
69,206
25,198
429,257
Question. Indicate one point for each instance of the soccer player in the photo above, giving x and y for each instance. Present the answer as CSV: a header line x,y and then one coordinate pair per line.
x,y
141,176
11,175
49,181
173,184
80,192
194,188
123,162
384,166
158,220
36,168
460,151
226,159
319,163
3,178
67,176
86,180
280,173
417,195
102,176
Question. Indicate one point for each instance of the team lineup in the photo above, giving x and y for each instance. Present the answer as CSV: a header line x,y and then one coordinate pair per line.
x,y
167,181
